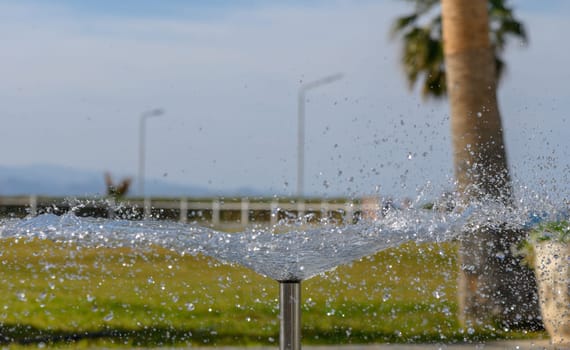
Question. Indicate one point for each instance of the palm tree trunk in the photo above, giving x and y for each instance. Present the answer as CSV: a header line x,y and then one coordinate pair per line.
x,y
493,285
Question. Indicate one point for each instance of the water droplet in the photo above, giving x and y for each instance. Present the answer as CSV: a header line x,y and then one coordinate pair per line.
x,y
331,312
21,296
310,302
190,307
438,294
109,317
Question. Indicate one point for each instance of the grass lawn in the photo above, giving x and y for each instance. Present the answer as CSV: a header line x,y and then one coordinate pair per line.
x,y
60,294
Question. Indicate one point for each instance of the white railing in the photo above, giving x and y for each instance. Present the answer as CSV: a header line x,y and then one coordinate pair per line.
x,y
272,210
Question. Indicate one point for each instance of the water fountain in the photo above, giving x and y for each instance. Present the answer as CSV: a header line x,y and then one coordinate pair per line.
x,y
289,258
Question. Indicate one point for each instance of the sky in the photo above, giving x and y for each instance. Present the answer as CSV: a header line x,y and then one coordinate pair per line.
x,y
78,75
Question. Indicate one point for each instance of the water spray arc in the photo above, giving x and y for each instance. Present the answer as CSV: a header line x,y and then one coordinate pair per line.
x,y
286,257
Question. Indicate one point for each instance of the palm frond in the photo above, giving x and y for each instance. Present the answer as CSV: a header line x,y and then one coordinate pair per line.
x,y
435,85
503,25
401,23
424,6
500,68
422,49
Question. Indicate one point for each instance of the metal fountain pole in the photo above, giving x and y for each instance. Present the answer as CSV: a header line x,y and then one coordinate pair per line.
x,y
290,315
290,291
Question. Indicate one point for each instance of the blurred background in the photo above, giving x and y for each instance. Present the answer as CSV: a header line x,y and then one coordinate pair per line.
x,y
216,86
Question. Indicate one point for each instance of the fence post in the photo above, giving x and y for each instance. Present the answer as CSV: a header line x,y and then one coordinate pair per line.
x,y
111,208
183,210
324,209
274,213
370,208
147,208
215,212
245,211
349,212
300,208
33,205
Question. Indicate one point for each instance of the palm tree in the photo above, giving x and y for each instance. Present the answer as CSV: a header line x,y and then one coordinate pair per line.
x,y
422,50
458,53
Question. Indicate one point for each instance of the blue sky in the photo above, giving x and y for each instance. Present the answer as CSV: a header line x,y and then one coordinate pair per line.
x,y
77,75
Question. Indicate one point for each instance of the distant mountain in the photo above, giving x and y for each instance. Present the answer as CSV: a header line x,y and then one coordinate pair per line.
x,y
49,180
56,180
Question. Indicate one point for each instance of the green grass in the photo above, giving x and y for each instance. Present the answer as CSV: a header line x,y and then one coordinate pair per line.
x,y
56,294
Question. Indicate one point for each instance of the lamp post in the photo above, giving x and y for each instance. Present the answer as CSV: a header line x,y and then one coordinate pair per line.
x,y
301,125
142,133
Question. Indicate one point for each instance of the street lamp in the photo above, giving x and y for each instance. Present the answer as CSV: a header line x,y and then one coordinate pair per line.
x,y
142,131
301,125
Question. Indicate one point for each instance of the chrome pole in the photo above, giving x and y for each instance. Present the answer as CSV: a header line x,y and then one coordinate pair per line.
x,y
290,314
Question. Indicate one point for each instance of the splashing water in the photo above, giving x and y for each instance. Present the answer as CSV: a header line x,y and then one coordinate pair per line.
x,y
300,252
295,255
